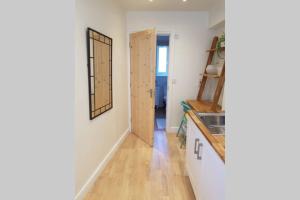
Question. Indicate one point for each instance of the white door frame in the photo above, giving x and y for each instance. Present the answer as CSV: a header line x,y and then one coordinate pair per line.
x,y
170,75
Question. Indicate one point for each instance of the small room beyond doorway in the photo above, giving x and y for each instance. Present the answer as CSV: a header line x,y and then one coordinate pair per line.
x,y
161,81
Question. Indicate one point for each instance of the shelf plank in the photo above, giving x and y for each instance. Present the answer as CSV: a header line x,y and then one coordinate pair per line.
x,y
211,75
210,50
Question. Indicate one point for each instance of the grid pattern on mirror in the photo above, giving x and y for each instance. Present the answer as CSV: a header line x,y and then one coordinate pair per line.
x,y
99,48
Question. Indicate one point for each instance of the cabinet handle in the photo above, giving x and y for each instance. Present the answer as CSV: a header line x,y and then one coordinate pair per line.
x,y
200,147
196,149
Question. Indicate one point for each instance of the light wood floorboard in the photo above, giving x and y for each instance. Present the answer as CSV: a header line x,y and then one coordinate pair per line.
x,y
139,172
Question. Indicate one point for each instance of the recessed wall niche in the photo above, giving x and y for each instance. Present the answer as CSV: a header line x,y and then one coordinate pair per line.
x,y
99,48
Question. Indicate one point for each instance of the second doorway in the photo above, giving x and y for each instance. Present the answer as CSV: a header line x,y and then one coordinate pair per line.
x,y
161,81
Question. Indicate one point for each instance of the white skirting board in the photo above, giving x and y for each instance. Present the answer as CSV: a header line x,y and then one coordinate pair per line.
x,y
172,129
88,185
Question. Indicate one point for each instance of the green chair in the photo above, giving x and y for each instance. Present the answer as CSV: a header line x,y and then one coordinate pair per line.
x,y
183,123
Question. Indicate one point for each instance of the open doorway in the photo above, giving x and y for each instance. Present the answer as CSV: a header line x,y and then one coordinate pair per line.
x,y
161,81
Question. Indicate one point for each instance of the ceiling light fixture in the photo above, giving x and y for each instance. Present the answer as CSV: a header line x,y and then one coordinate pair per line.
x,y
184,0
150,0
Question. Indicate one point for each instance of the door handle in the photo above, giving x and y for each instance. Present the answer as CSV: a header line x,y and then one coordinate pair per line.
x,y
200,147
151,92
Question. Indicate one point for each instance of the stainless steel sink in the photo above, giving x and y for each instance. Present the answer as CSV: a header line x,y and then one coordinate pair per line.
x,y
215,122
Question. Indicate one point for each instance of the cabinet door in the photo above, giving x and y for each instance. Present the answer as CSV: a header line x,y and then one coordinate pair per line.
x,y
190,137
193,163
188,146
197,163
212,179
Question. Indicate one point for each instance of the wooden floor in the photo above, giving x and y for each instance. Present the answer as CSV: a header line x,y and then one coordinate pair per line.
x,y
138,172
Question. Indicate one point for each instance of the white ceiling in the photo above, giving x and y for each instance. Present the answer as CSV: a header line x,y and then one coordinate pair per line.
x,y
166,5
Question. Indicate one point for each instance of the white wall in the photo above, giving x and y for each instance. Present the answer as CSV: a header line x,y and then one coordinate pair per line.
x,y
187,53
217,12
95,138
219,28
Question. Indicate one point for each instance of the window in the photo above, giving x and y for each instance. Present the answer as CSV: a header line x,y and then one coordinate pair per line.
x,y
162,61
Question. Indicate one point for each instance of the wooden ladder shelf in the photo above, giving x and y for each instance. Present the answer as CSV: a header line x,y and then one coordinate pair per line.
x,y
214,107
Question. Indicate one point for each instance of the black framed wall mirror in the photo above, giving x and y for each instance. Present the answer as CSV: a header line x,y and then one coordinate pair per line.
x,y
99,48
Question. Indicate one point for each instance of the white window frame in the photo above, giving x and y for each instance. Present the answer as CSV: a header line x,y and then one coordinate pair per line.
x,y
157,61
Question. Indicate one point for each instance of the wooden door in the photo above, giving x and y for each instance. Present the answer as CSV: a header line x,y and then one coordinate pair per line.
x,y
142,83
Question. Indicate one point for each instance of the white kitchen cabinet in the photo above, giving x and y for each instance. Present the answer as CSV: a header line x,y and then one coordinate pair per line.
x,y
205,168
191,162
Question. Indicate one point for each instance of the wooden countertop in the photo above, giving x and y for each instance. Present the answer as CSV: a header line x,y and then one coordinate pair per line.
x,y
216,141
202,106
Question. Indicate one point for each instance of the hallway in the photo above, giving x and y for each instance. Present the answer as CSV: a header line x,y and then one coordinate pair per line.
x,y
137,172
160,119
